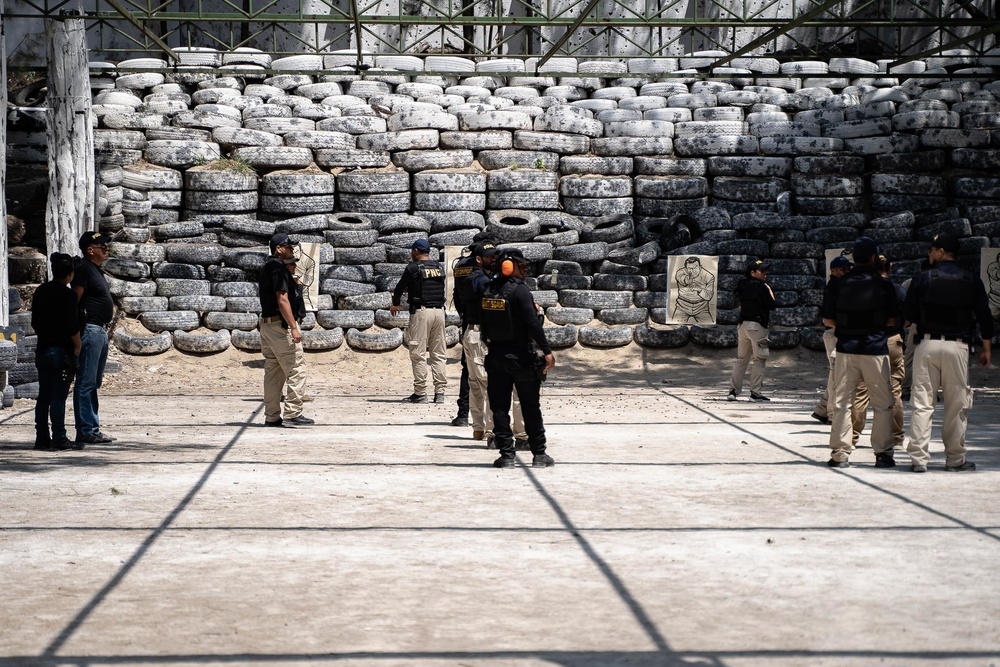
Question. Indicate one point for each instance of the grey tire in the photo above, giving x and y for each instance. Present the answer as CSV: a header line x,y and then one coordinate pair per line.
x,y
171,320
582,252
182,287
374,341
513,225
615,316
231,321
346,319
199,303
212,343
719,336
323,339
142,345
248,341
563,316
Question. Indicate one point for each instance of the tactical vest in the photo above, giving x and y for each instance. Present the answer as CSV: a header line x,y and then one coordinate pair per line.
x,y
946,305
463,283
497,319
430,276
861,307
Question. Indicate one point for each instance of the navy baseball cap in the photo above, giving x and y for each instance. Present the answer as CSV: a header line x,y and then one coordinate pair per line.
x,y
512,253
864,249
840,262
758,265
280,239
945,241
423,245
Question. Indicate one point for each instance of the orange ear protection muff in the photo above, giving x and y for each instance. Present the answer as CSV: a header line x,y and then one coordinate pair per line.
x,y
507,268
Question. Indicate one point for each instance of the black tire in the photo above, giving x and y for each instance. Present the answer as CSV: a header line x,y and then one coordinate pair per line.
x,y
235,289
175,270
126,268
620,282
142,345
122,288
618,336
615,316
199,303
635,257
560,338
182,287
667,338
721,336
194,253
561,281
8,355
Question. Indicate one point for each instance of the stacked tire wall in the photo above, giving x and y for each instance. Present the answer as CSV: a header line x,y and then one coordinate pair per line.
x,y
586,173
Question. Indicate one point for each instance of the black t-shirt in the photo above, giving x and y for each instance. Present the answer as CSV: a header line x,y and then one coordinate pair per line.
x,y
756,302
275,277
96,306
54,315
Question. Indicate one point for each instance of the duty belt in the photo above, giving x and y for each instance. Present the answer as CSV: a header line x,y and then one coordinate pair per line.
x,y
956,337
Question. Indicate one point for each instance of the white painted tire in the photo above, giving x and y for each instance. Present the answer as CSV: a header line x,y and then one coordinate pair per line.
x,y
142,345
212,343
374,341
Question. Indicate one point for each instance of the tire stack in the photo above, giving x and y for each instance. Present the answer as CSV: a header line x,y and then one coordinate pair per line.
x,y
218,193
452,202
109,199
825,185
163,190
665,187
374,194
292,194
595,196
522,188
909,182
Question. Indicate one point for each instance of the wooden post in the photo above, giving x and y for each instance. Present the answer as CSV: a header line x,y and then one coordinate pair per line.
x,y
4,278
70,209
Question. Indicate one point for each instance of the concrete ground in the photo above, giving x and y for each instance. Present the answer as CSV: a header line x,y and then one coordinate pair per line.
x,y
676,528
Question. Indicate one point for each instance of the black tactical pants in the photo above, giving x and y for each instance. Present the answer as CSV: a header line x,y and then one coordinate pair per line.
x,y
506,370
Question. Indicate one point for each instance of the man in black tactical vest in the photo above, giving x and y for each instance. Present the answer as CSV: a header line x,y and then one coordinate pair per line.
x,y
471,281
860,306
282,308
946,302
756,303
518,357
423,282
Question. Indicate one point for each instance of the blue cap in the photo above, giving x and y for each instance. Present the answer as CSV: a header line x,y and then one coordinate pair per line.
x,y
280,239
864,249
840,262
423,245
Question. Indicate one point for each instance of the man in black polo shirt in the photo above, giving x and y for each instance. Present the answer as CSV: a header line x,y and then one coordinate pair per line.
x,y
947,303
54,318
423,282
282,308
96,312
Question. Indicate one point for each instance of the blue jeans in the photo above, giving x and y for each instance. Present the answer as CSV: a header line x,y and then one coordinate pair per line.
x,y
89,377
52,393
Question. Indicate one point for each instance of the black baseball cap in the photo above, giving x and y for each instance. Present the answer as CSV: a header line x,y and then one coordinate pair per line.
x,y
945,241
94,238
280,239
512,253
62,260
484,249
864,249
758,265
840,262
484,236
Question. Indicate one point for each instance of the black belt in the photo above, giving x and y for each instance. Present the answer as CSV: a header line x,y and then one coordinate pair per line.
x,y
956,337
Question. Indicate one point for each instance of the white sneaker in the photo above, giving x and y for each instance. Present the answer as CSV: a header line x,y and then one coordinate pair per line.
x,y
732,395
